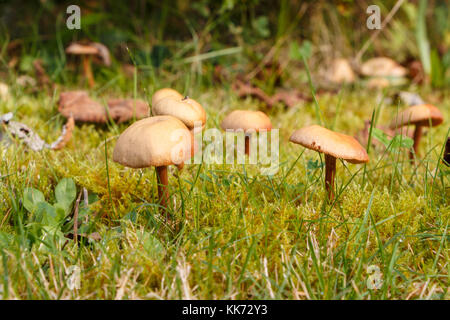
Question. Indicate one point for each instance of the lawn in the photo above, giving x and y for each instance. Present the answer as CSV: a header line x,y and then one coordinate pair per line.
x,y
243,235
75,224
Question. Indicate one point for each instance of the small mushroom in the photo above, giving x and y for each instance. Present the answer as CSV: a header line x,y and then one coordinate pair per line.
x,y
333,145
189,111
87,51
248,121
382,67
157,141
423,115
165,93
341,72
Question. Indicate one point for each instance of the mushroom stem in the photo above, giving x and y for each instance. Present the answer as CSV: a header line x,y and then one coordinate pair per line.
x,y
87,71
330,172
417,136
163,191
247,145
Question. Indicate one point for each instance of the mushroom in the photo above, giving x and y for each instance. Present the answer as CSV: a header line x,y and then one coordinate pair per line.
x,y
189,111
86,51
333,145
165,93
423,115
249,121
155,141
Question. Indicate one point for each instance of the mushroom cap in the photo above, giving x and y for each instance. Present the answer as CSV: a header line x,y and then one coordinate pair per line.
x,y
165,93
422,115
342,72
81,49
96,49
155,141
329,142
187,110
246,120
382,67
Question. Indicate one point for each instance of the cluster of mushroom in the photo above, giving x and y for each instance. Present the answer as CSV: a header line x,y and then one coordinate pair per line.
x,y
163,139
167,138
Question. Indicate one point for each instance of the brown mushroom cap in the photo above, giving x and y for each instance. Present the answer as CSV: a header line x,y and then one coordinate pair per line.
x,y
93,48
329,142
187,110
246,120
165,93
422,115
382,67
155,141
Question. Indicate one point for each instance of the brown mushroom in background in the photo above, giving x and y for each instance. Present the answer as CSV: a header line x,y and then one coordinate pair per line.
x,y
87,51
341,72
248,121
333,145
424,115
157,141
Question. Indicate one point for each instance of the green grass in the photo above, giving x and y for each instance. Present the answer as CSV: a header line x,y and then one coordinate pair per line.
x,y
244,235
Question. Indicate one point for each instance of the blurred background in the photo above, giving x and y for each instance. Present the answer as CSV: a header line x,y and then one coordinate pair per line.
x,y
211,42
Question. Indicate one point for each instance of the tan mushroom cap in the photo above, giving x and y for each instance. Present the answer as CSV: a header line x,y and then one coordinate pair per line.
x,y
247,120
155,141
165,93
187,110
422,115
81,49
92,48
382,67
329,142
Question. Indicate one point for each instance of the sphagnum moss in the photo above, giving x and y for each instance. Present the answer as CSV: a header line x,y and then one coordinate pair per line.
x,y
244,236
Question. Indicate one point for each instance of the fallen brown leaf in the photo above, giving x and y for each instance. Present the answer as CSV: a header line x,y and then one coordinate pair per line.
x,y
126,109
41,74
66,135
79,105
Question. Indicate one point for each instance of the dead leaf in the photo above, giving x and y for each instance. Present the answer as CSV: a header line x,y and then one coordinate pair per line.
x,y
122,110
31,139
289,97
66,135
103,53
79,105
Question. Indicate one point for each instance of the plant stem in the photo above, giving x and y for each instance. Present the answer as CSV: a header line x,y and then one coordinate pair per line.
x,y
163,191
330,172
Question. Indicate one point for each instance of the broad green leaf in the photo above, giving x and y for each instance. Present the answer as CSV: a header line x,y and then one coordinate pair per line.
x,y
65,192
152,245
381,136
400,141
31,198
